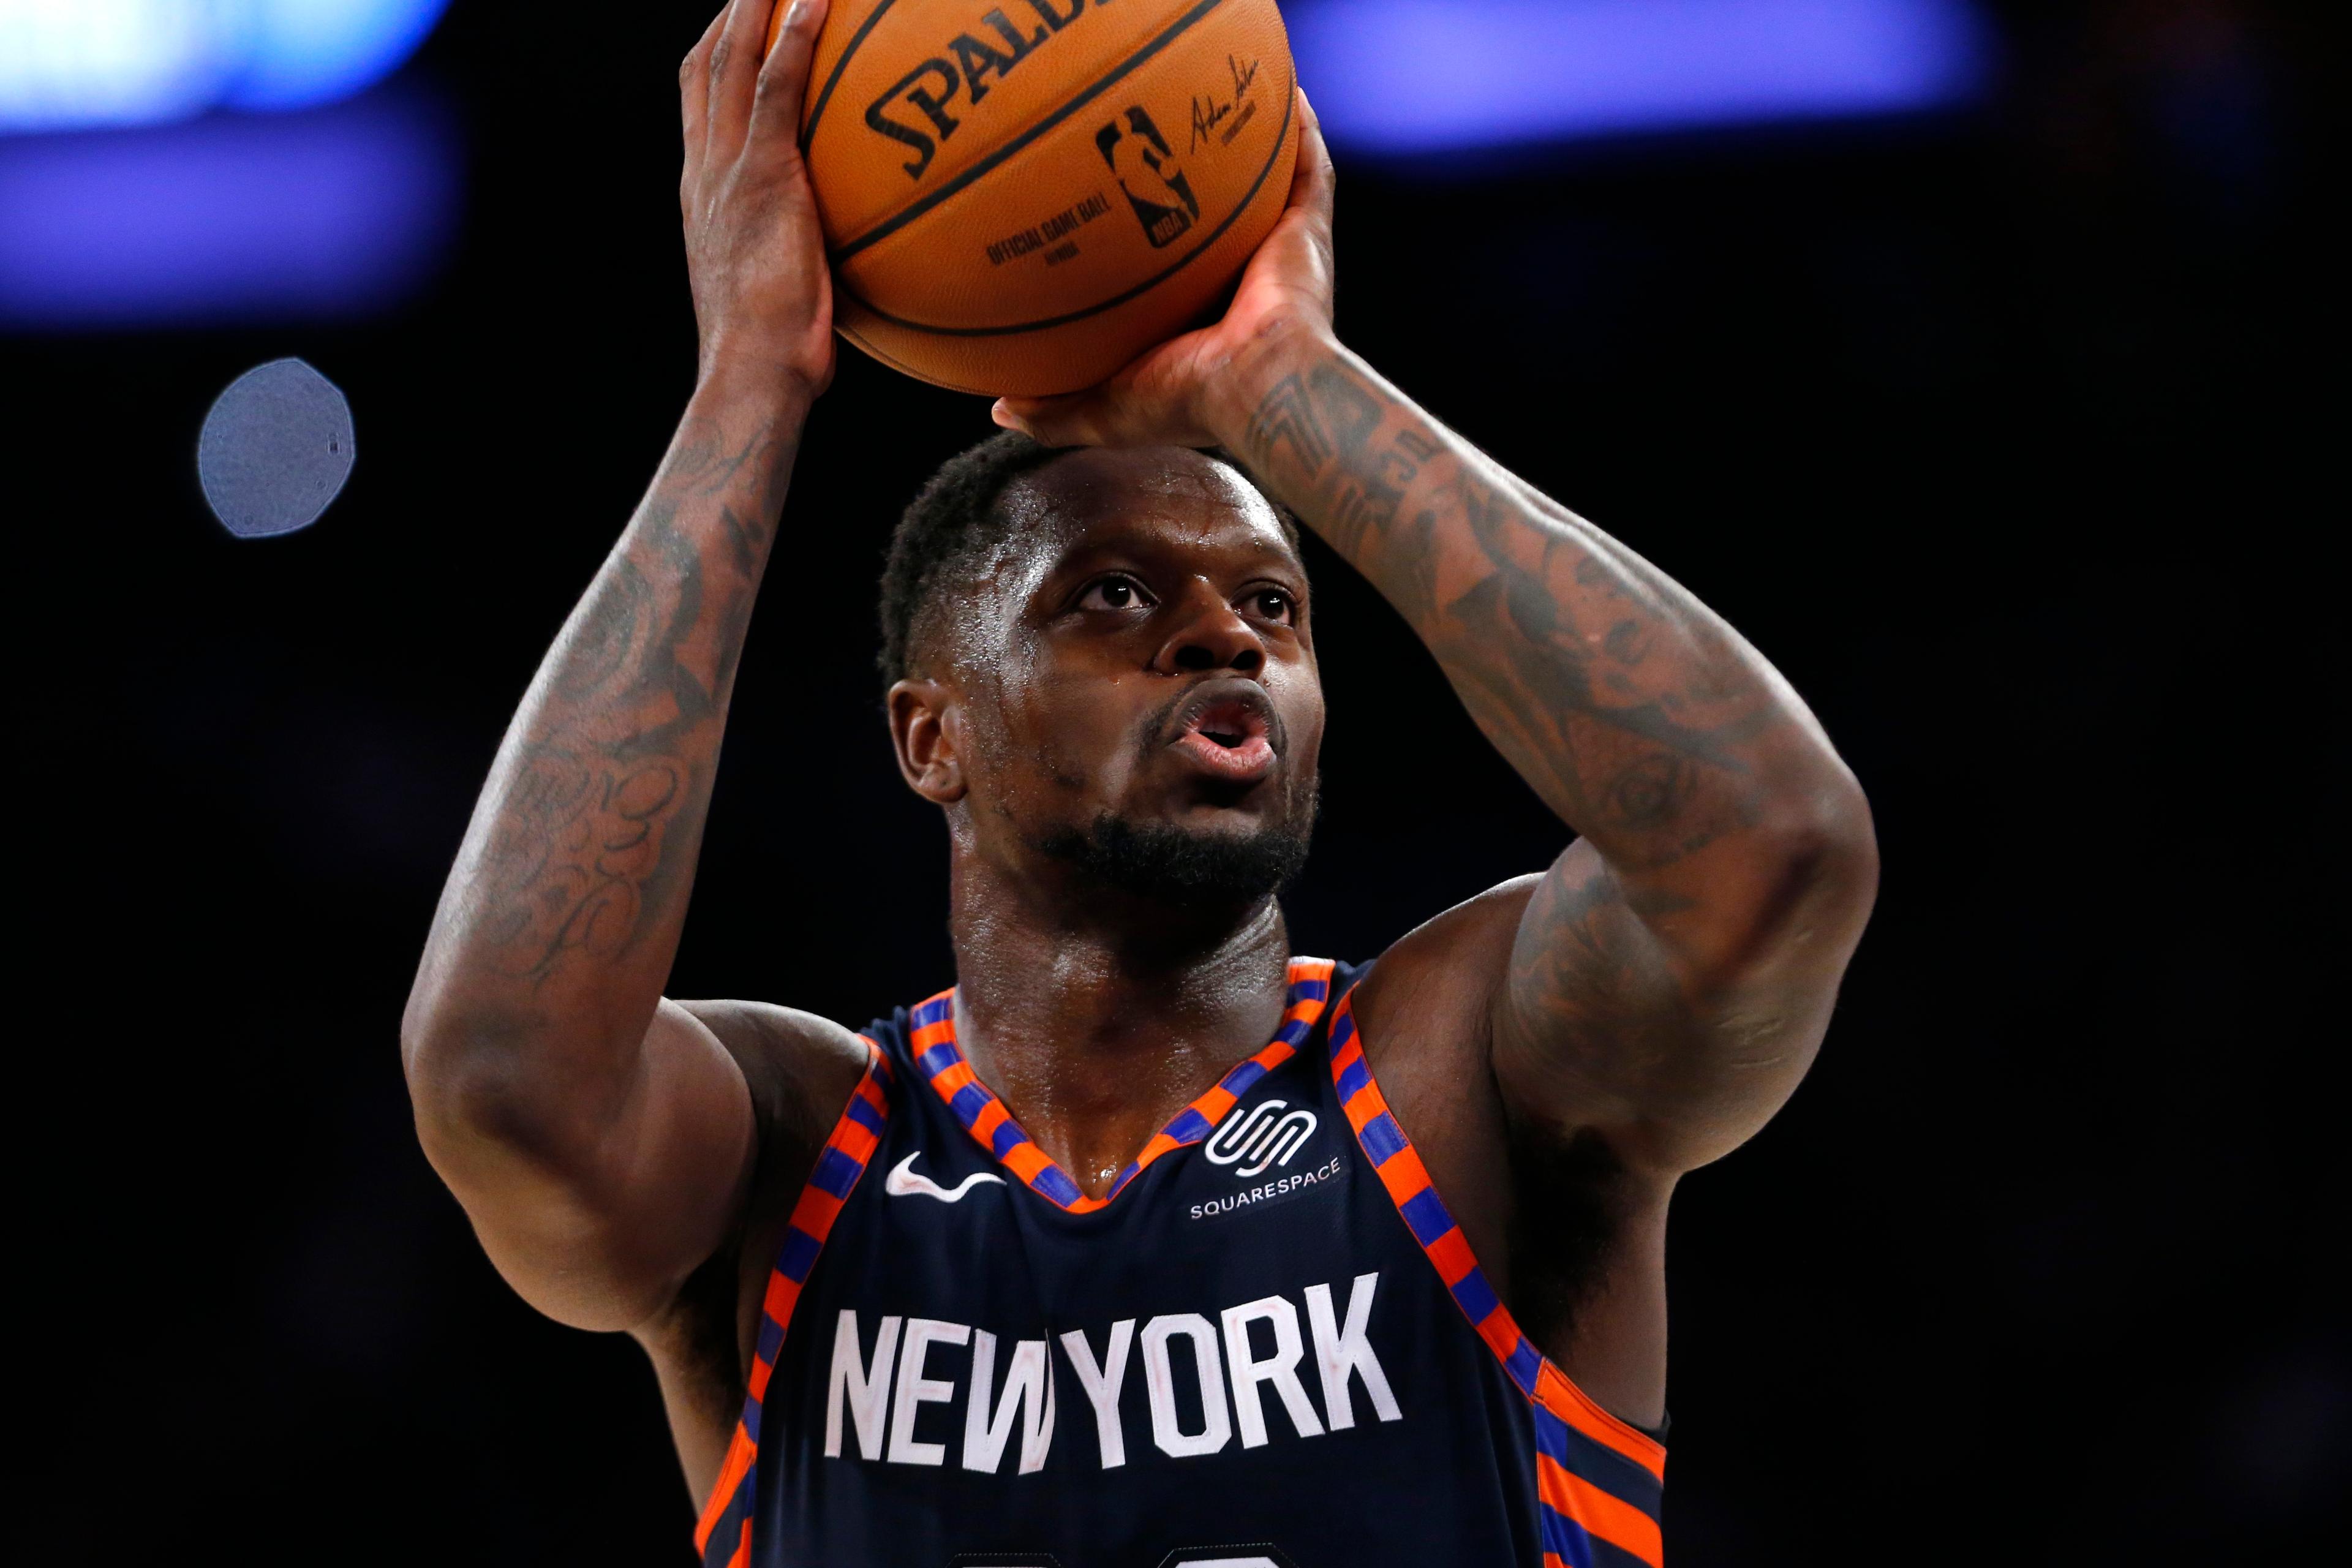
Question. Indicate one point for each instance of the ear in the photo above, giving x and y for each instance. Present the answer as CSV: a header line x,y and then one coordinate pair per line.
x,y
925,740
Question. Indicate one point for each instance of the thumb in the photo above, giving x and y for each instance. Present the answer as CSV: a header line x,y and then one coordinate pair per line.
x,y
1091,418
1145,405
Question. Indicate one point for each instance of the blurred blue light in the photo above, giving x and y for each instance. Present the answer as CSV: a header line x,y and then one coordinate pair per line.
x,y
326,213
303,52
66,63
1439,76
106,62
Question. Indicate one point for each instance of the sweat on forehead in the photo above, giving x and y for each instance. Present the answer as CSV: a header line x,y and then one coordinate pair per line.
x,y
990,507
1083,486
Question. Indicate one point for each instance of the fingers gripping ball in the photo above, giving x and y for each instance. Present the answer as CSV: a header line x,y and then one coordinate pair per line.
x,y
1020,196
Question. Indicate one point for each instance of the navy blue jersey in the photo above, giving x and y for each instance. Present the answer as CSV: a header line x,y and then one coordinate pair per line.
x,y
1267,1345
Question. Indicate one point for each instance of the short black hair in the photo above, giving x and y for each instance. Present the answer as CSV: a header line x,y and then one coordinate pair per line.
x,y
955,520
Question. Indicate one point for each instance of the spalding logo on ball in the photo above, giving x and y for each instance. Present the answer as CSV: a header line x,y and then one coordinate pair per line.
x,y
1021,198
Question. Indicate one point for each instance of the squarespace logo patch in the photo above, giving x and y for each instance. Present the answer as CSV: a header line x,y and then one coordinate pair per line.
x,y
1296,1183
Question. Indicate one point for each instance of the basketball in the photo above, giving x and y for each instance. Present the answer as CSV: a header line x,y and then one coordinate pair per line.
x,y
1021,198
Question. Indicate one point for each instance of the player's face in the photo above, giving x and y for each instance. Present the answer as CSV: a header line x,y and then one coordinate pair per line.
x,y
1154,667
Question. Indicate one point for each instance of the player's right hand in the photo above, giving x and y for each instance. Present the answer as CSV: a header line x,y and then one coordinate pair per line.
x,y
762,289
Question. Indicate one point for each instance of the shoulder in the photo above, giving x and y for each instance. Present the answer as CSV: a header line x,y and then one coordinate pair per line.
x,y
1438,981
801,1068
1425,1014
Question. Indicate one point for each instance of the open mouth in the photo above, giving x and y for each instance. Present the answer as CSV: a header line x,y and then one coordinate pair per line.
x,y
1230,736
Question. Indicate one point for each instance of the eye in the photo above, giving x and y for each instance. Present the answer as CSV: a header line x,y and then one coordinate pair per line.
x,y
1114,593
1272,604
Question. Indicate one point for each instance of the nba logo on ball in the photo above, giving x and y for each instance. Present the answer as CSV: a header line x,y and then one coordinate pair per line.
x,y
1147,171
970,159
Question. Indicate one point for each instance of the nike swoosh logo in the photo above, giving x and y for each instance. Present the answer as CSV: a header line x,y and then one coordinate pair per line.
x,y
903,1183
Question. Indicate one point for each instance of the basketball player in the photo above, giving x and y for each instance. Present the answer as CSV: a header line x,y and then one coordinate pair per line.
x,y
1149,1242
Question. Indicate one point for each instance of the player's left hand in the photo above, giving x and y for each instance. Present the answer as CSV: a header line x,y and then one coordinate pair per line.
x,y
1165,398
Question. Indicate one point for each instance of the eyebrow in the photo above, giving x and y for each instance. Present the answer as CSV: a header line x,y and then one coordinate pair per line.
x,y
1087,551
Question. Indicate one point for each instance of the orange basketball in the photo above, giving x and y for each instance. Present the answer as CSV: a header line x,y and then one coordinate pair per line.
x,y
1022,195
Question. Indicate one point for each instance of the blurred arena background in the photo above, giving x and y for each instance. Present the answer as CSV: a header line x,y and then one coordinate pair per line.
x,y
1967,356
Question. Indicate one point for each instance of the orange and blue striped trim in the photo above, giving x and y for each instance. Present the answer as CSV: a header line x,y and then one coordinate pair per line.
x,y
1599,1480
726,1517
931,1037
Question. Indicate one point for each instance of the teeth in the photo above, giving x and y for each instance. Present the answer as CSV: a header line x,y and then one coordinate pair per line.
x,y
1228,726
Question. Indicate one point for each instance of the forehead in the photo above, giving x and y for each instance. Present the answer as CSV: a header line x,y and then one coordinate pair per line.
x,y
1159,498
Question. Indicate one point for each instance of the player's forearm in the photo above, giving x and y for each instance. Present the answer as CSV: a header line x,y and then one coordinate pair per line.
x,y
559,920
1639,716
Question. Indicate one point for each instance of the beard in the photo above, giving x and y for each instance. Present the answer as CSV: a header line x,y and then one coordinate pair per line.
x,y
1184,868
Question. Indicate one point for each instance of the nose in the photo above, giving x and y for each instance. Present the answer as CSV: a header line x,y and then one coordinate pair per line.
x,y
1209,634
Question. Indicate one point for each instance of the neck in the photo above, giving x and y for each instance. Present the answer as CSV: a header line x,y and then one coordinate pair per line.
x,y
1096,1017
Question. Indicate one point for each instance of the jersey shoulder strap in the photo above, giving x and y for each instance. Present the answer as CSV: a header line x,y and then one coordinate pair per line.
x,y
1598,1478
839,1164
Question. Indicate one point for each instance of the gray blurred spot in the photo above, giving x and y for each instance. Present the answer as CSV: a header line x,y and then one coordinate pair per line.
x,y
276,450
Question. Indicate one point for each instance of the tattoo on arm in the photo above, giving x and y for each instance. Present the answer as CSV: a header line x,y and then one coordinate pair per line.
x,y
1372,487
1614,693
572,856
585,837
1640,995
1285,418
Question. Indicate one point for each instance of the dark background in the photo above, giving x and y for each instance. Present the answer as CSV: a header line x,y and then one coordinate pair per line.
x,y
1998,433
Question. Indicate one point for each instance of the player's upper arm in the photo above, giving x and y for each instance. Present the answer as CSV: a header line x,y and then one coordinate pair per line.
x,y
1673,1026
597,1210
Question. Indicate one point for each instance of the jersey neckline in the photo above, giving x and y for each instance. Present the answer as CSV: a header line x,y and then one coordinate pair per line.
x,y
932,1041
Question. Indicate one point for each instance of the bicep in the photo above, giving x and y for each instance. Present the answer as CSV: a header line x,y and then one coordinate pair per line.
x,y
1601,1025
594,1214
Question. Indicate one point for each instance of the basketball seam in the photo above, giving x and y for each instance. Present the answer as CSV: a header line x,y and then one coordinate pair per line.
x,y
854,336
1289,105
848,51
988,165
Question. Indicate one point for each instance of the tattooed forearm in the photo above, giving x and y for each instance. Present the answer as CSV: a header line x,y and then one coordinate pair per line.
x,y
1671,973
1637,713
1284,419
570,858
571,888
